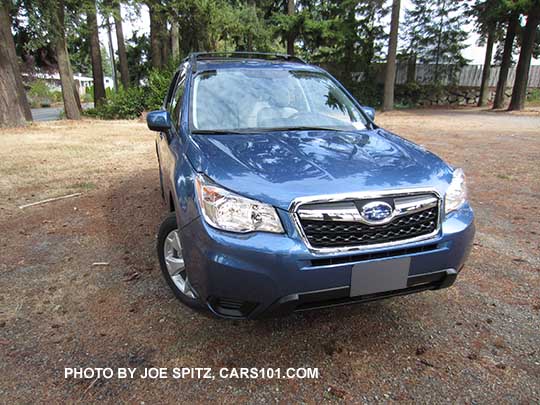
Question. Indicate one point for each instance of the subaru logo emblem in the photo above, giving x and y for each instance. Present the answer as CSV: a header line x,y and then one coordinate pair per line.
x,y
377,212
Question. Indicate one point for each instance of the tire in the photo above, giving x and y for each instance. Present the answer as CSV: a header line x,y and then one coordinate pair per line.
x,y
170,259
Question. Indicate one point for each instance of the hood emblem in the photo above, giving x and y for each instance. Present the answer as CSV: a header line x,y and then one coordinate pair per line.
x,y
377,212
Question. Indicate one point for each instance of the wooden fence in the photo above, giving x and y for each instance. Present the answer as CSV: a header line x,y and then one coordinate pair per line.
x,y
468,76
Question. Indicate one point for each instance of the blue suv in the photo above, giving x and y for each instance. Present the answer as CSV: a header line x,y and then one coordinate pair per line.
x,y
286,196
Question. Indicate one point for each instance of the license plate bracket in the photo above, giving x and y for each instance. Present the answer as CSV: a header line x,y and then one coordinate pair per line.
x,y
379,276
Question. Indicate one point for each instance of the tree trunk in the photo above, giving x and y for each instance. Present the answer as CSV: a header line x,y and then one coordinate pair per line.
x,y
165,41
75,90
249,41
71,107
290,35
519,92
390,77
164,36
175,38
484,86
513,23
155,46
95,55
122,56
111,54
14,108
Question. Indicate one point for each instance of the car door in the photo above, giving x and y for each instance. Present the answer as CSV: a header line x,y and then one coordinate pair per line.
x,y
162,139
170,142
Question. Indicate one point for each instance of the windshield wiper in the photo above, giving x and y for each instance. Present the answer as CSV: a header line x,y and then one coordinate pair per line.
x,y
261,130
310,128
218,131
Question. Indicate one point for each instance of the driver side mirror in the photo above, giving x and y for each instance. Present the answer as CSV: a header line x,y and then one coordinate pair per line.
x,y
159,120
370,112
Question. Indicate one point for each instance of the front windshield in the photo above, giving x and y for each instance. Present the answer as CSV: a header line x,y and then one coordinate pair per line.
x,y
270,99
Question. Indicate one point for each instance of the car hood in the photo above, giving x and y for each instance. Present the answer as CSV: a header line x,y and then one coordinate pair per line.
x,y
278,167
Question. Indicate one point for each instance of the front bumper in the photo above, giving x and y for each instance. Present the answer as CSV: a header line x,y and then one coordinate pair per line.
x,y
263,274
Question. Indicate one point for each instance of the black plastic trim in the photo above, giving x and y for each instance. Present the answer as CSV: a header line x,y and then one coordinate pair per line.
x,y
329,261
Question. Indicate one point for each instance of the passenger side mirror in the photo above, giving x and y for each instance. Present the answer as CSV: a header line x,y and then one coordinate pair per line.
x,y
370,112
159,120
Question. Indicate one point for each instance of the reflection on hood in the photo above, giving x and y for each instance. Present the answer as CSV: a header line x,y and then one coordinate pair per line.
x,y
280,166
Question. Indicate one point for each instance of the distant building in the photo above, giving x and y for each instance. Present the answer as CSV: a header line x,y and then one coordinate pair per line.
x,y
53,81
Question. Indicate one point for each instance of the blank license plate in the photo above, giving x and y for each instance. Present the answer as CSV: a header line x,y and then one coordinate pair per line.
x,y
379,276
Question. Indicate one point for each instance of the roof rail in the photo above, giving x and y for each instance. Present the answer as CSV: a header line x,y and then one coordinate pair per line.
x,y
195,56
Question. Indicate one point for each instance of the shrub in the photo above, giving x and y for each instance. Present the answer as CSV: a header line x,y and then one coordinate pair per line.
x,y
130,103
367,93
87,98
56,96
414,94
158,85
40,94
534,97
125,104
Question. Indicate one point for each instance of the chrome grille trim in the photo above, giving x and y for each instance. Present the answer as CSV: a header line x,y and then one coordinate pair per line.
x,y
406,202
403,206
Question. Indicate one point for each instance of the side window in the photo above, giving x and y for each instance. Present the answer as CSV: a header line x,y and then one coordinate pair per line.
x,y
176,103
170,92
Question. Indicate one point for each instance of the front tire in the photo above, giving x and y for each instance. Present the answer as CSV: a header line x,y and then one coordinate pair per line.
x,y
171,261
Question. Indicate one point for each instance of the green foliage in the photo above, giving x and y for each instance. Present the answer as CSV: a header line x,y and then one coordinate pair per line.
x,y
77,33
158,84
220,25
433,34
87,97
533,98
130,103
39,88
40,94
414,94
138,56
345,36
489,16
410,94
106,63
369,93
125,104
56,96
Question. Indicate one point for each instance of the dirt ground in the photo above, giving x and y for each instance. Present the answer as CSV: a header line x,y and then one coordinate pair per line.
x,y
477,342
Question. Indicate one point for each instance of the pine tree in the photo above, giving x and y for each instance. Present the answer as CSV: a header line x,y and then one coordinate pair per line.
x,y
95,54
512,25
488,15
433,33
14,108
122,56
390,74
47,24
528,43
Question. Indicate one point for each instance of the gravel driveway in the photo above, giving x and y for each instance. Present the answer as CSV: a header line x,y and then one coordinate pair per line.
x,y
477,342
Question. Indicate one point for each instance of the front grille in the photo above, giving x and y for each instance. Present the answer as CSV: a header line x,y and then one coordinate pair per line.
x,y
324,234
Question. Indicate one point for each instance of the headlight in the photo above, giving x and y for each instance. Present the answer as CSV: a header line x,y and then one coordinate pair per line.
x,y
225,210
456,195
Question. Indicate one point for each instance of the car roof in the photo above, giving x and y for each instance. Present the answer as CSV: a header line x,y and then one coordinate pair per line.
x,y
203,65
246,60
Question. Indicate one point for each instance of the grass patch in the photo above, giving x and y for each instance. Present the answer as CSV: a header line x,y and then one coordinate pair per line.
x,y
533,99
84,186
